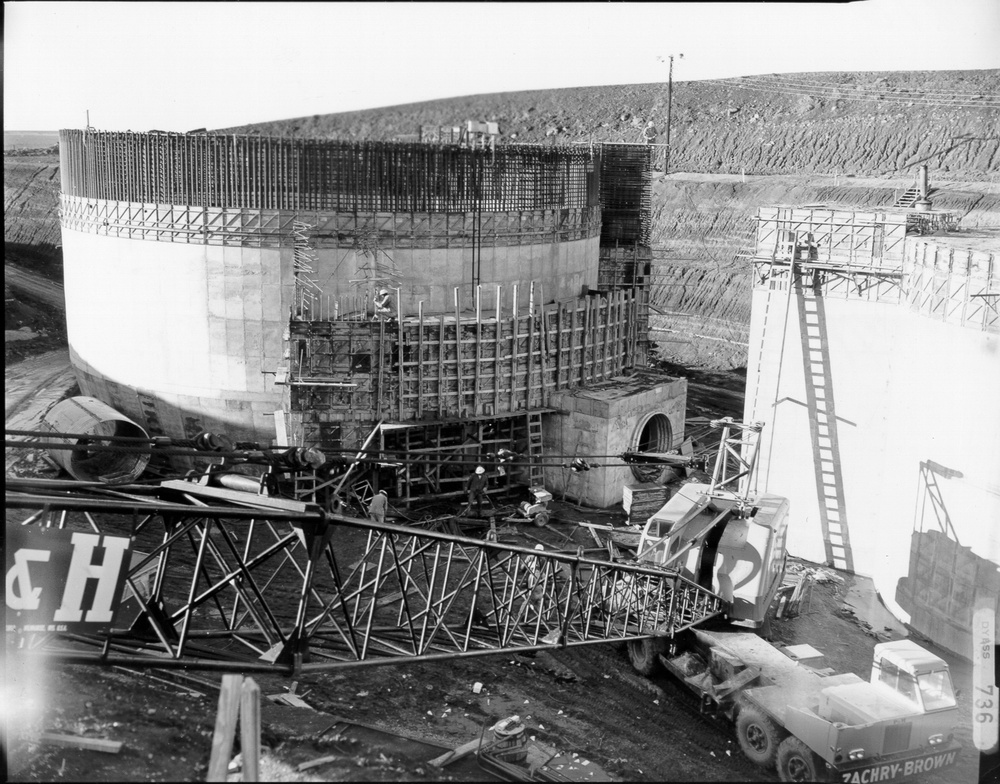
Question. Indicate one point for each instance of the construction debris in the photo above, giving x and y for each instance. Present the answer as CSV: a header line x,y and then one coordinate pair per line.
x,y
456,754
641,500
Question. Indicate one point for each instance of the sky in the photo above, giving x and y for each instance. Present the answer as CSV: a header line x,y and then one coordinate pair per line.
x,y
179,66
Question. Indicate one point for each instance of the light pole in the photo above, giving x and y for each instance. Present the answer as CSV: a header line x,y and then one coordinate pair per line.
x,y
670,104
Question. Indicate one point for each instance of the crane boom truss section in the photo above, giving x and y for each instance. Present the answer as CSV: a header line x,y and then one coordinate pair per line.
x,y
242,586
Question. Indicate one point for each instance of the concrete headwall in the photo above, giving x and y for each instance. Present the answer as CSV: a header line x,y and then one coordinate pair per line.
x,y
601,422
910,390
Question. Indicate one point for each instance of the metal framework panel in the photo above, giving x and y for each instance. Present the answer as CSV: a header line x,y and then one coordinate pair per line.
x,y
261,584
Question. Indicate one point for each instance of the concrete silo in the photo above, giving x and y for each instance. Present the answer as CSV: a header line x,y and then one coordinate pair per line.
x,y
227,283
875,363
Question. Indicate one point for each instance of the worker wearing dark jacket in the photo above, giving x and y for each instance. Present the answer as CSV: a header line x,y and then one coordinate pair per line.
x,y
475,485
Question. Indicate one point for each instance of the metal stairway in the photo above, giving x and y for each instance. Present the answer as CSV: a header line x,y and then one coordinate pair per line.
x,y
909,198
822,419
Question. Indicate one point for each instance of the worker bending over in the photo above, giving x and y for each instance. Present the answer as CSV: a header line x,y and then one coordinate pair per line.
x,y
383,304
379,506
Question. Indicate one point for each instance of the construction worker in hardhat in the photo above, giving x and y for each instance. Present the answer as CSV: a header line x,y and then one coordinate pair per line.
x,y
379,506
475,486
383,304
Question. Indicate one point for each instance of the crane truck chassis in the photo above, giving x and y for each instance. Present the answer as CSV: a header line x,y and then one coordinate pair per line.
x,y
810,724
814,726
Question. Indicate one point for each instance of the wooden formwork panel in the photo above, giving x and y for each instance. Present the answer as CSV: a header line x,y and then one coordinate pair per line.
x,y
437,367
955,285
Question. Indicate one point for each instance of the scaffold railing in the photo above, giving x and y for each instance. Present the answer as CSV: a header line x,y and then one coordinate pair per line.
x,y
261,584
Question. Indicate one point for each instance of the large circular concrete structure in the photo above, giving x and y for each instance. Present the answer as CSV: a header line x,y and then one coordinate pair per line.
x,y
186,255
874,366
229,284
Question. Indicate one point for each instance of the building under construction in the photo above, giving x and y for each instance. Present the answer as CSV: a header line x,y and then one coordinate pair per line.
x,y
874,347
229,283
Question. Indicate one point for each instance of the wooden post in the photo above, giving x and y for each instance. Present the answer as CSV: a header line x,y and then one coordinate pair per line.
x,y
479,344
458,357
529,360
513,352
399,351
559,345
496,357
250,729
543,346
420,359
225,727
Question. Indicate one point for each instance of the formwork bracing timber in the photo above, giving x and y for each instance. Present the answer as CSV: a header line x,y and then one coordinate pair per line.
x,y
281,587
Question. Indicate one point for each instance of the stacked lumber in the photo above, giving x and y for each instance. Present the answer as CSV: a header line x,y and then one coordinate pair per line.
x,y
641,500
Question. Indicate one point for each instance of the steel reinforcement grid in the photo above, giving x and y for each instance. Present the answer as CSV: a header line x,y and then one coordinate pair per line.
x,y
278,586
258,172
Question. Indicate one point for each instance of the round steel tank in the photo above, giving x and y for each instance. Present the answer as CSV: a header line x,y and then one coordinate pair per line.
x,y
86,416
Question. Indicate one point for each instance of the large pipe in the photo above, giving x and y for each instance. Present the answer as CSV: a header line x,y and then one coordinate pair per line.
x,y
923,204
89,415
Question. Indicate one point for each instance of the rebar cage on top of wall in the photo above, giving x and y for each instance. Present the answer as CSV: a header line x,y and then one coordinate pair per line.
x,y
288,174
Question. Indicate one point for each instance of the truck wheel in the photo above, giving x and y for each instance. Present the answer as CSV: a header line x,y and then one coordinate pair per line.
x,y
797,762
758,736
644,655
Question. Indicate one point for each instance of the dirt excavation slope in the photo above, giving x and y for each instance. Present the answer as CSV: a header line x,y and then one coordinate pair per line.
x,y
31,206
859,122
853,140
702,223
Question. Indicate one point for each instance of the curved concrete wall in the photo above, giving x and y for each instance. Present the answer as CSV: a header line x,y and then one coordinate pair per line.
x,y
178,308
911,390
179,335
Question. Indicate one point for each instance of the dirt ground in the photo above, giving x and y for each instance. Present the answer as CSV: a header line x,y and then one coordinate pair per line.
x,y
583,701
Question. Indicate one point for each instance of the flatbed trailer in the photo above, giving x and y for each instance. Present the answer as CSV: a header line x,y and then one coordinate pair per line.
x,y
816,726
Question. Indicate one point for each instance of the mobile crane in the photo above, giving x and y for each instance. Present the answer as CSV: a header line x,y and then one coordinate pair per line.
x,y
714,550
810,724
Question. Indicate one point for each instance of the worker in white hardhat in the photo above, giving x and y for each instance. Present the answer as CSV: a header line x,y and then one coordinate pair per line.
x,y
379,506
383,304
475,486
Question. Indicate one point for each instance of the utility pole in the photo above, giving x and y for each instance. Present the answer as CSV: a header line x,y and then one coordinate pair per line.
x,y
670,104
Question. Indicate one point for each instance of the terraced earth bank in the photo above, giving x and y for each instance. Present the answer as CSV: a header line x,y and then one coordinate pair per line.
x,y
852,140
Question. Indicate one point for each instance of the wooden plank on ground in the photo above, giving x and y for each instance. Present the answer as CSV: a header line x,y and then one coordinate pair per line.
x,y
462,751
79,742
316,762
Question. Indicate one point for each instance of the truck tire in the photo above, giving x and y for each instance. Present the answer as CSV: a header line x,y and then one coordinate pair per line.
x,y
758,736
797,762
644,655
